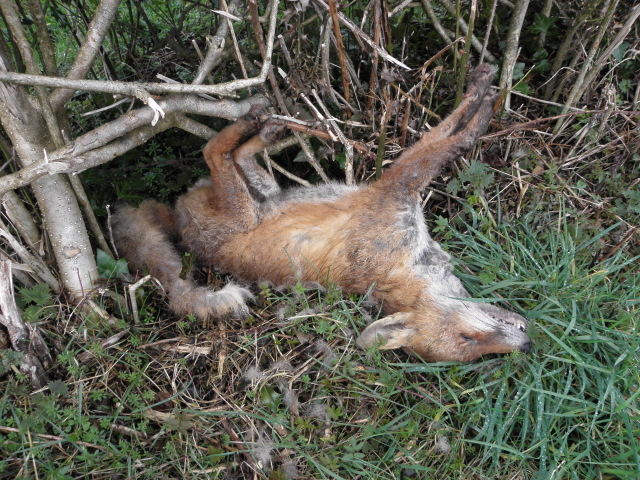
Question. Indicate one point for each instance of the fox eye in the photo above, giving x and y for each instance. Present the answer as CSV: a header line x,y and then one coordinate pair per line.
x,y
469,339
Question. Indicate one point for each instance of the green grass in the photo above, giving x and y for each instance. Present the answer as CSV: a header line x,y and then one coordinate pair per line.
x,y
296,397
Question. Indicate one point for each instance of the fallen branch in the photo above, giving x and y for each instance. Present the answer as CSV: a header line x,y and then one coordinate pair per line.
x,y
24,338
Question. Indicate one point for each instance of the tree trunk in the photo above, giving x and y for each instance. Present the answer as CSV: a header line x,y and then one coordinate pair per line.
x,y
25,126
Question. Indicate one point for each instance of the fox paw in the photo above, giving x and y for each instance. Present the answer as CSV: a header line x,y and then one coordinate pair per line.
x,y
480,80
256,115
186,298
272,130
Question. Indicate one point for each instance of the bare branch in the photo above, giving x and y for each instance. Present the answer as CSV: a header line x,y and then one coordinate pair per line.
x,y
568,43
121,135
216,48
102,20
588,72
135,89
340,49
107,132
348,148
193,127
79,163
89,215
465,29
44,39
13,20
39,268
511,51
232,33
428,8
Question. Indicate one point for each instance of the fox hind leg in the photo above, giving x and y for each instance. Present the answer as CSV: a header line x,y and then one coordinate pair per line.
x,y
229,203
261,185
144,235
455,136
478,87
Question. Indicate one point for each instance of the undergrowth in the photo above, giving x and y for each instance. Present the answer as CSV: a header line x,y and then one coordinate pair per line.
x,y
286,394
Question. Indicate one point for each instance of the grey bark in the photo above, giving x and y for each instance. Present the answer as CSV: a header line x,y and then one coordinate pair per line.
x,y
511,50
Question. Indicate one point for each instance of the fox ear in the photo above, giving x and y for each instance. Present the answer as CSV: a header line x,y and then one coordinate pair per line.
x,y
388,333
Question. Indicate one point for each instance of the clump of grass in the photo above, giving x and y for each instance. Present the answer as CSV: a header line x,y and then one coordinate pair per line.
x,y
572,406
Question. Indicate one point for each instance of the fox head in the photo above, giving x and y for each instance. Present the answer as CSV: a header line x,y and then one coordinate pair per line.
x,y
462,332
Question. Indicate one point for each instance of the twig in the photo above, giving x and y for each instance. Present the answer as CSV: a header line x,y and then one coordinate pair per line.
x,y
194,127
532,123
363,36
567,46
512,48
348,167
293,69
433,18
475,43
303,127
43,38
131,289
311,158
89,215
107,343
258,34
547,102
93,148
492,15
333,11
236,47
39,268
102,19
140,90
441,52
588,71
22,221
417,104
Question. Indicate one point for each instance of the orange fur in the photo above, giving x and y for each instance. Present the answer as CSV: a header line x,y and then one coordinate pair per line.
x,y
240,222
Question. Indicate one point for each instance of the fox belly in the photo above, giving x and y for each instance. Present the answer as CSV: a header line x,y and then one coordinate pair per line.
x,y
295,244
343,242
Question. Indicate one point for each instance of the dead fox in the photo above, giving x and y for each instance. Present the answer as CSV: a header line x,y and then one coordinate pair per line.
x,y
361,238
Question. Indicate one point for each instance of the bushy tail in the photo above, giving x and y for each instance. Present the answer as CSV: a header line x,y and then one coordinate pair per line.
x,y
145,237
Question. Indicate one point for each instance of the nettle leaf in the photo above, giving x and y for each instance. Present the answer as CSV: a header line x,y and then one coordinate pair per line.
x,y
453,187
633,200
542,23
33,313
478,175
109,267
40,294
